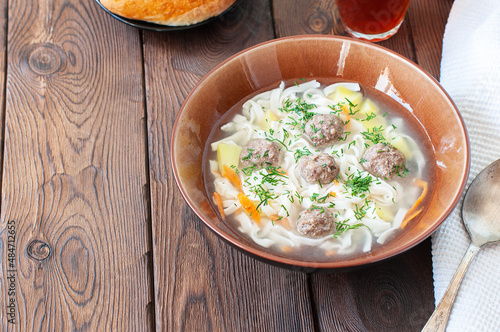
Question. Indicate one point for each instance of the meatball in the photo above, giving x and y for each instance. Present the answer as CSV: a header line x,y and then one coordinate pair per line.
x,y
323,129
260,153
315,223
319,167
384,161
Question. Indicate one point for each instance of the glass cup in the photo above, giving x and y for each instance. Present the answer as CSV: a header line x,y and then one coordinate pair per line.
x,y
372,20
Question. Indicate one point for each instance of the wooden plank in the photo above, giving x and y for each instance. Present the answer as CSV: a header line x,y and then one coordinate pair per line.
x,y
5,308
201,283
396,295
3,72
428,20
74,171
306,17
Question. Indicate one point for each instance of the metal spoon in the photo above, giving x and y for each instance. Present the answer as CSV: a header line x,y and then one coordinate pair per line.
x,y
481,216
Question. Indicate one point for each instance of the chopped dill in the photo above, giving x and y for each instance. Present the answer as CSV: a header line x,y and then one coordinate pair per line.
x,y
294,122
263,194
335,108
344,138
351,105
299,153
397,169
343,226
360,212
369,116
277,140
248,170
299,107
284,208
375,135
300,198
274,176
319,208
359,183
247,157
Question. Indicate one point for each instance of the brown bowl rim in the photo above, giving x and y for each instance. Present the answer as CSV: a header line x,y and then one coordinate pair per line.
x,y
363,260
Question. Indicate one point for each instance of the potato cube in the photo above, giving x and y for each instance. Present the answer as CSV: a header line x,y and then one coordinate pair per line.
x,y
399,143
342,94
269,117
374,122
369,107
385,214
228,154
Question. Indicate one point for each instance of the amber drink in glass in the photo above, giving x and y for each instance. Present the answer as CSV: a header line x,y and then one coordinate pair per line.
x,y
372,20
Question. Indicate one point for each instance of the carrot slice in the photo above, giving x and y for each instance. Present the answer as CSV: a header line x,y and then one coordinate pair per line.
x,y
345,110
409,217
331,252
229,174
281,171
249,207
412,213
218,201
425,188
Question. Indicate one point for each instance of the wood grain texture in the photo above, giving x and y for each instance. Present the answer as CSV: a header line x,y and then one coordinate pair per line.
x,y
428,20
74,170
395,295
4,290
3,73
201,283
306,17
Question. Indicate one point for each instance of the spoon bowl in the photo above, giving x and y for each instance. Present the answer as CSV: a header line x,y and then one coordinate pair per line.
x,y
481,217
481,211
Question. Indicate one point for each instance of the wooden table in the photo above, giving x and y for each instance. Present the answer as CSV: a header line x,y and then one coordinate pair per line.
x,y
94,232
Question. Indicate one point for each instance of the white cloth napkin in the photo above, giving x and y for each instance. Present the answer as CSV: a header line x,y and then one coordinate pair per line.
x,y
470,72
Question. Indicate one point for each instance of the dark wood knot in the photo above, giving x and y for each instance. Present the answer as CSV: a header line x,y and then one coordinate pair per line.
x,y
45,59
39,250
319,21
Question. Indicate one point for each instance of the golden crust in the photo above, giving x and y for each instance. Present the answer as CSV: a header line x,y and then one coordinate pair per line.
x,y
168,12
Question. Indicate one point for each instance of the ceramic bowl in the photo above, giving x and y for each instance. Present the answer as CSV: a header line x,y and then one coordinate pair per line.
x,y
329,57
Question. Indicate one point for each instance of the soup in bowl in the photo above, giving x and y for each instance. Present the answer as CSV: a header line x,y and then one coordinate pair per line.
x,y
320,152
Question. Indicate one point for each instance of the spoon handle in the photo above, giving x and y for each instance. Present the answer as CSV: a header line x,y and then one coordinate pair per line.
x,y
439,318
